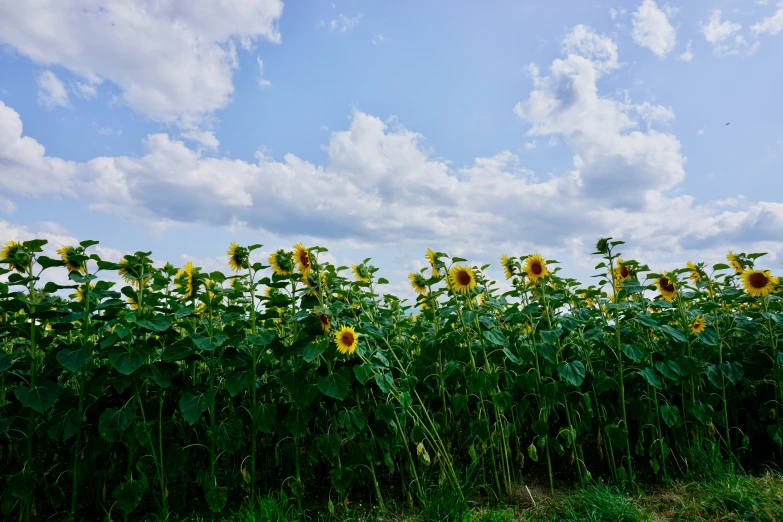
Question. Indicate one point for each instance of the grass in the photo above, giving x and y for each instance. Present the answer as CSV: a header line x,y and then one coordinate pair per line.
x,y
726,496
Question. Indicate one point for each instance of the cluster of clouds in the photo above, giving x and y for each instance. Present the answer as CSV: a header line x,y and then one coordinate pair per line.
x,y
652,28
380,184
172,60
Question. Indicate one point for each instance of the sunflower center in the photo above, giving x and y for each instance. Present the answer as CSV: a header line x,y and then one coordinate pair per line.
x,y
624,272
667,285
536,268
463,277
758,280
347,339
305,259
324,320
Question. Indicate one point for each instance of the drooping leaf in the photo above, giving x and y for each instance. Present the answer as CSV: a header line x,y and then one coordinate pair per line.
x,y
40,398
113,423
336,384
573,372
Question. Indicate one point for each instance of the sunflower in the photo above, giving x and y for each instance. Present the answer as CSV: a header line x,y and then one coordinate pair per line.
x,y
131,274
238,257
282,262
361,273
666,287
535,268
67,254
302,257
734,262
698,325
432,258
622,272
82,292
694,272
418,283
324,320
462,279
185,279
508,268
346,339
15,255
758,282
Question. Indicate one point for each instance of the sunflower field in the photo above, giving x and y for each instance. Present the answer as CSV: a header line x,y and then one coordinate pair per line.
x,y
144,389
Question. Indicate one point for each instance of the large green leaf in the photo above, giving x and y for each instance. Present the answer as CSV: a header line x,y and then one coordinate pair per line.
x,y
192,405
573,372
673,333
113,423
670,415
126,359
128,494
336,384
495,337
22,484
229,435
74,360
238,380
651,376
328,445
160,323
297,419
39,398
634,351
264,416
733,371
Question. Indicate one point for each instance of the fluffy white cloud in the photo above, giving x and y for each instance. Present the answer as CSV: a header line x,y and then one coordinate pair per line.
x,y
172,59
651,29
724,36
51,91
772,24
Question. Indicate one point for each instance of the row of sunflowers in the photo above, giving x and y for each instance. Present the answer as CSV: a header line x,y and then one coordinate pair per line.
x,y
169,390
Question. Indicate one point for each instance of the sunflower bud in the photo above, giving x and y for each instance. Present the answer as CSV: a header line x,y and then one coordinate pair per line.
x,y
602,245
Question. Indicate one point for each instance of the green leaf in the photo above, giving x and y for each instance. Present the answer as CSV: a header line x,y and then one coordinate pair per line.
x,y
363,372
22,484
502,400
263,338
216,496
192,406
573,372
297,419
162,373
651,376
713,374
673,333
229,435
335,385
74,360
184,311
160,323
313,350
634,351
646,320
127,359
176,352
113,423
341,479
328,445
511,357
617,435
703,412
264,416
206,343
40,398
6,360
495,337
237,381
733,371
670,415
128,494
384,382
540,427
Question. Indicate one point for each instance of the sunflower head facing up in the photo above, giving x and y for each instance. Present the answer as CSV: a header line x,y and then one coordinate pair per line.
x,y
433,259
508,267
282,262
735,262
535,268
666,287
418,283
70,256
461,279
16,256
758,282
698,325
302,258
346,340
361,273
238,257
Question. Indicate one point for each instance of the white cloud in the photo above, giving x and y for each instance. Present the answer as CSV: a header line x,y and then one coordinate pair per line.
x,y
86,90
262,82
616,13
724,36
700,131
582,41
173,62
377,38
687,55
530,145
51,91
772,24
343,23
651,29
108,131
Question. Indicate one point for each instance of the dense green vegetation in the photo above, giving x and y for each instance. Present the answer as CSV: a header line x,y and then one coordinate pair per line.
x,y
177,391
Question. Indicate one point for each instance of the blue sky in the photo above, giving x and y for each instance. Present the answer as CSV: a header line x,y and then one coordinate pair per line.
x,y
378,129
